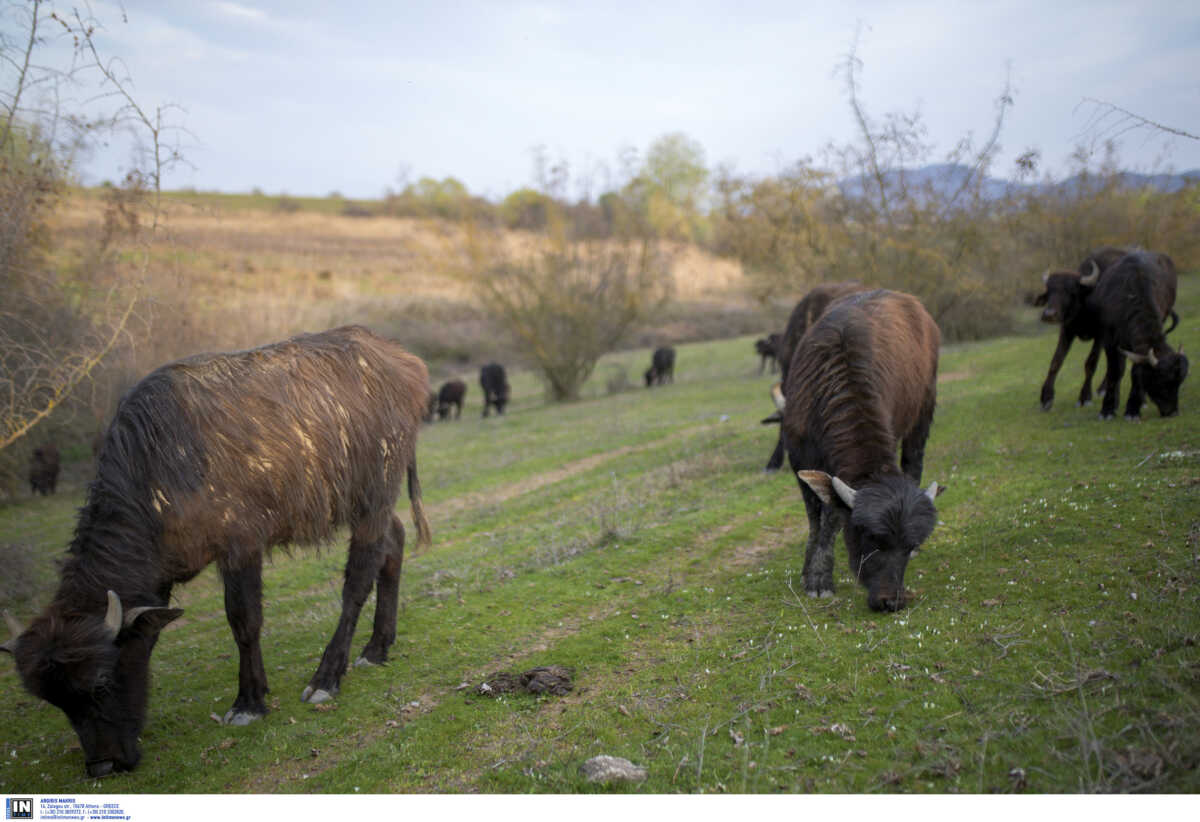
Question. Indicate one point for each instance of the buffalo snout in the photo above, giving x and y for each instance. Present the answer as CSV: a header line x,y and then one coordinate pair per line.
x,y
887,601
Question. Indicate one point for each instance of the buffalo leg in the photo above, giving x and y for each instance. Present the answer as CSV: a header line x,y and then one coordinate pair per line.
x,y
1089,370
776,460
243,609
387,598
363,564
912,453
1115,362
1137,394
823,521
1060,354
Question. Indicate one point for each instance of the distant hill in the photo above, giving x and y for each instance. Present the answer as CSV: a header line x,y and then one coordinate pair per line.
x,y
945,179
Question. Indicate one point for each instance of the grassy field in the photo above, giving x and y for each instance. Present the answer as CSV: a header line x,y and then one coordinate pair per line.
x,y
1051,645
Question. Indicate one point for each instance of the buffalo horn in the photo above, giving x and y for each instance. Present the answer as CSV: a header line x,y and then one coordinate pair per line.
x,y
1138,359
1046,277
1091,279
777,395
845,492
112,618
14,626
932,491
133,613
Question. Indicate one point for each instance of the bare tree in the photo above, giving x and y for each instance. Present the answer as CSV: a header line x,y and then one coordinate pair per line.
x,y
57,328
1109,122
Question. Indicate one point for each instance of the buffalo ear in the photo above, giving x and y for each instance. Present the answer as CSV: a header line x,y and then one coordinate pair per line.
x,y
826,486
819,483
148,621
9,647
1041,299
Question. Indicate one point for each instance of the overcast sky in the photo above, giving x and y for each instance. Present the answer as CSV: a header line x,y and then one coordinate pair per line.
x,y
309,97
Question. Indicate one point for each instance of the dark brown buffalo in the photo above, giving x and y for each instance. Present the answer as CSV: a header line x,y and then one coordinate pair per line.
x,y
43,470
494,383
1065,301
1130,302
863,381
450,397
805,313
767,348
217,458
662,367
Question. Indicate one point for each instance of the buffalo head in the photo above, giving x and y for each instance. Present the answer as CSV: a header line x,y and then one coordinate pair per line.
x,y
1065,293
96,669
890,517
1160,377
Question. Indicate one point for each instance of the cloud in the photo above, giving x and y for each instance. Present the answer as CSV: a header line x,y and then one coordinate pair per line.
x,y
240,11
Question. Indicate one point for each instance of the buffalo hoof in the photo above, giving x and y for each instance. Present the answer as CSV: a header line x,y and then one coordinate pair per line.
x,y
1133,417
1046,406
1104,416
771,469
315,697
822,594
239,718
363,662
1083,403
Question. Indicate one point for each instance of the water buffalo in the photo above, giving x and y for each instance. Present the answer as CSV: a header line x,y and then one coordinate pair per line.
x,y
1065,301
43,470
662,367
767,348
217,458
863,381
1130,302
494,383
450,396
805,313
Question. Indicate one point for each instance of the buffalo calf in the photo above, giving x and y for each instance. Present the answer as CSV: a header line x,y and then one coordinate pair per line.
x,y
1131,301
43,470
662,367
450,397
494,383
217,458
863,380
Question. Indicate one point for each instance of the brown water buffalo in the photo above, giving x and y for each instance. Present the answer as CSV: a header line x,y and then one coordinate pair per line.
x,y
1065,301
1130,302
450,397
217,458
494,383
43,470
662,367
863,381
805,313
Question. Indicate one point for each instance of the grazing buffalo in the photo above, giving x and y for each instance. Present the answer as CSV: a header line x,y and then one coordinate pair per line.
x,y
450,396
217,458
863,381
767,349
494,383
805,313
1065,301
662,367
43,470
1130,302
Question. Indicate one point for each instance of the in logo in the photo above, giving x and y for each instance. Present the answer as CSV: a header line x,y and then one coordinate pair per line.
x,y
18,808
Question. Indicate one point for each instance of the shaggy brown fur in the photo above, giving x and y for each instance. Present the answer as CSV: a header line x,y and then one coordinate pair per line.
x,y
863,382
806,312
217,458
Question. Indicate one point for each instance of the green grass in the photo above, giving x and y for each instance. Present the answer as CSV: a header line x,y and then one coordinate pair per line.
x,y
1051,645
